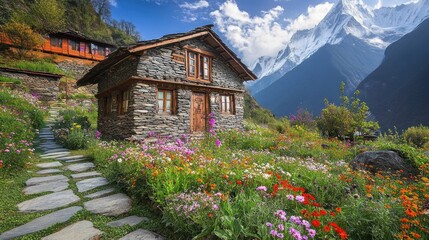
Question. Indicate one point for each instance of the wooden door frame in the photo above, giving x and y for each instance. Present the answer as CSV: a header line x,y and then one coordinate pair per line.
x,y
207,106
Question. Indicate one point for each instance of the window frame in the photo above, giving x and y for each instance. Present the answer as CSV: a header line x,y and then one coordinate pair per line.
x,y
199,67
172,99
74,45
223,105
124,103
59,42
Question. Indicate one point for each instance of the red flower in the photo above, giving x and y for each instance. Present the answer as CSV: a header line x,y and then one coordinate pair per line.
x,y
304,211
323,212
239,182
275,189
332,214
326,228
315,223
315,214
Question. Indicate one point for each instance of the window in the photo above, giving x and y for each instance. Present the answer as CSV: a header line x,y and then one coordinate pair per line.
x,y
107,106
74,45
123,99
101,51
165,101
226,104
199,66
56,42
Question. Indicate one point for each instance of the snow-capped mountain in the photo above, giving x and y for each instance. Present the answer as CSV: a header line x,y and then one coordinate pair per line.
x,y
376,27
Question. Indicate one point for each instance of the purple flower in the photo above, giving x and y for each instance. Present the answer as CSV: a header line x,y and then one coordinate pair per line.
x,y
218,143
306,223
295,233
270,225
97,134
280,235
280,213
311,232
300,199
179,142
212,122
296,220
290,197
281,227
215,207
261,188
273,233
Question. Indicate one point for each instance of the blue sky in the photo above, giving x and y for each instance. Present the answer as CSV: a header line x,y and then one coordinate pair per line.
x,y
252,28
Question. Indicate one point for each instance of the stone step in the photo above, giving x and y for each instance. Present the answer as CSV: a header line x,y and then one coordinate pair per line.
x,y
57,150
70,157
80,167
49,171
83,230
49,202
113,205
86,174
91,183
141,234
39,180
131,221
55,155
49,165
100,193
46,187
77,160
41,223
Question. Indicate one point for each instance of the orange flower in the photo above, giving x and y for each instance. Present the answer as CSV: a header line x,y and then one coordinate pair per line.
x,y
315,223
416,235
338,209
410,213
210,215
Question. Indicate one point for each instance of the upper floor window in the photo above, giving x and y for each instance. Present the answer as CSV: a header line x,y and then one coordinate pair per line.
x,y
226,104
74,45
199,66
56,42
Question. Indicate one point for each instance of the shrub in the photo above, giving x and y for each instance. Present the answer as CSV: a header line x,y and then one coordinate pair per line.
x,y
22,37
71,129
336,121
417,136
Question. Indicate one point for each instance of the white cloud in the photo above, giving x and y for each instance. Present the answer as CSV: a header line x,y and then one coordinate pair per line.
x,y
196,5
256,36
389,3
113,3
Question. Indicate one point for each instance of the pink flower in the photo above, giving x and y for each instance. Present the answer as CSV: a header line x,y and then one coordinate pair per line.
x,y
215,207
300,199
218,143
262,188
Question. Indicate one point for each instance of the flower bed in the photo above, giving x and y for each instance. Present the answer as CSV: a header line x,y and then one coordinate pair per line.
x,y
264,185
19,117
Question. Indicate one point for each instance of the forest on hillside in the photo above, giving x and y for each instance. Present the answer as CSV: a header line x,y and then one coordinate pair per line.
x,y
89,17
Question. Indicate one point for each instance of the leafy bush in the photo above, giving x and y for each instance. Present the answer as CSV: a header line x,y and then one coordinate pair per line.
x,y
22,36
72,129
417,136
19,118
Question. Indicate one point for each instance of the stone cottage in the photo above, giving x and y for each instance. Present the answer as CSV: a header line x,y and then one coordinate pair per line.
x,y
169,86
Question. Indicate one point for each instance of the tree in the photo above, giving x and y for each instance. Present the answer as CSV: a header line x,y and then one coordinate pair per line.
x,y
44,16
102,7
22,36
348,118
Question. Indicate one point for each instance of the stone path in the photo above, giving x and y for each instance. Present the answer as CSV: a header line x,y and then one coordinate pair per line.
x,y
54,183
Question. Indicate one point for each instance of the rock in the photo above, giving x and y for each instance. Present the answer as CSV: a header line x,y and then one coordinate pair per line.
x,y
89,184
48,202
39,180
46,187
77,160
112,205
83,230
80,167
48,171
41,223
141,234
54,155
49,165
58,150
131,220
70,157
100,193
385,161
85,174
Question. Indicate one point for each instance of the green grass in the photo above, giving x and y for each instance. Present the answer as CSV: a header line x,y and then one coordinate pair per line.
x,y
38,66
10,80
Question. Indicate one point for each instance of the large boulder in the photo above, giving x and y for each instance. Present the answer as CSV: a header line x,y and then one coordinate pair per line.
x,y
384,161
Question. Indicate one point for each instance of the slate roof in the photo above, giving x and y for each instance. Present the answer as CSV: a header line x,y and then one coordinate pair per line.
x,y
126,51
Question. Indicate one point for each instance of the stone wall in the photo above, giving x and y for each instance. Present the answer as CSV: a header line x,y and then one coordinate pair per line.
x,y
46,87
228,121
118,73
157,63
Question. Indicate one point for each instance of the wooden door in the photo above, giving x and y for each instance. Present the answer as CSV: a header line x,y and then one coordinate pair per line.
x,y
199,112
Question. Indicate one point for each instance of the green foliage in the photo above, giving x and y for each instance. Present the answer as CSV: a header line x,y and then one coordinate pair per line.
x,y
72,129
22,36
10,80
76,96
344,120
417,136
39,66
18,121
44,16
415,156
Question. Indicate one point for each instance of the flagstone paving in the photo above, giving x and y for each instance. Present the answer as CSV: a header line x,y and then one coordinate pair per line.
x,y
59,195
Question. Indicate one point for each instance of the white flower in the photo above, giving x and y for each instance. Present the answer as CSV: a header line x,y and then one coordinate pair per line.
x,y
119,160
